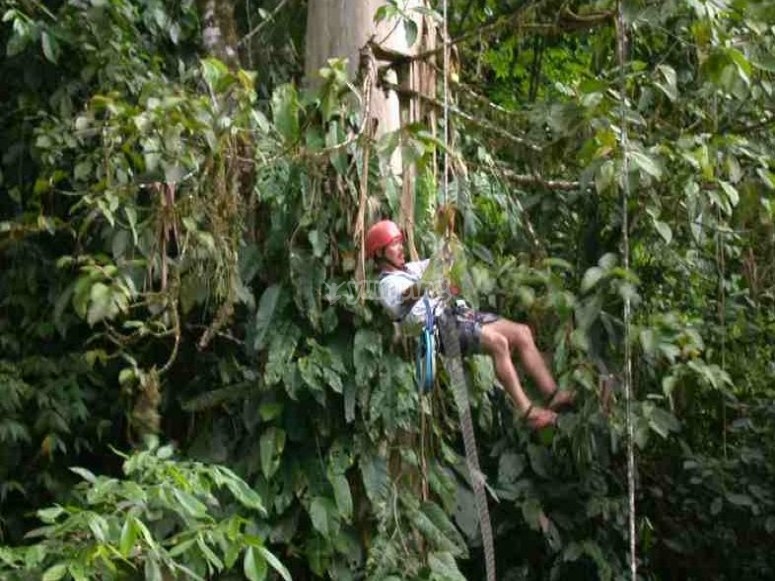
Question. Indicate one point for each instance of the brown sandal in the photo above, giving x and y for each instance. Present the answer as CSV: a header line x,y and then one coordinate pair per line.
x,y
566,400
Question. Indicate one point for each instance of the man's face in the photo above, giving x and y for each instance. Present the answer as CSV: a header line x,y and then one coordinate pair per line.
x,y
394,253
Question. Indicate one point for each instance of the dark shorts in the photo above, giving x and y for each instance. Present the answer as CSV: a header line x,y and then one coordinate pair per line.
x,y
469,327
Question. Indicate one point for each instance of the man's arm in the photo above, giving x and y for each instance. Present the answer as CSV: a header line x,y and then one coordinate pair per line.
x,y
413,293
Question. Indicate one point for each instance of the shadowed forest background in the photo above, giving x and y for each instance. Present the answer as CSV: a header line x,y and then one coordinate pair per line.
x,y
182,185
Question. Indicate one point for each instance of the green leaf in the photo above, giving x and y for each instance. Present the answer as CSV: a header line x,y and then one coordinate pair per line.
x,y
662,422
532,512
282,346
739,499
319,242
540,460
100,303
591,277
442,522
84,473
189,503
285,108
275,563
152,570
318,512
765,62
209,555
128,538
385,11
55,573
50,47
143,530
241,491
214,73
443,564
265,314
271,445
510,467
664,230
716,505
342,495
645,163
731,192
367,351
410,30
49,515
254,566
670,86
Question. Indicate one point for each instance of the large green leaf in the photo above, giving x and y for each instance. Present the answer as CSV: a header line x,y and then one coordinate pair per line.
x,y
272,444
342,495
444,567
285,110
265,314
254,565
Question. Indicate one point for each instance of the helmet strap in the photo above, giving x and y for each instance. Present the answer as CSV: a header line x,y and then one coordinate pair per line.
x,y
382,260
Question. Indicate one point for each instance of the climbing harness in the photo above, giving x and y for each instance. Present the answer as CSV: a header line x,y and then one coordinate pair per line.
x,y
426,350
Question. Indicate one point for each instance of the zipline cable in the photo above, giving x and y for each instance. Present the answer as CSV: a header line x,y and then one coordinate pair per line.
x,y
452,361
625,185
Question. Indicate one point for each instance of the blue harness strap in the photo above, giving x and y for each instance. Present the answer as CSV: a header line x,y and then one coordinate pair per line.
x,y
425,364
426,351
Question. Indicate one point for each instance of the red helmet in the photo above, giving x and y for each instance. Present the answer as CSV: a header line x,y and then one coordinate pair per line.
x,y
380,235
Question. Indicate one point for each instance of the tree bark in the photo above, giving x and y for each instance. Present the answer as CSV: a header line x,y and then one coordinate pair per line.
x,y
339,29
219,34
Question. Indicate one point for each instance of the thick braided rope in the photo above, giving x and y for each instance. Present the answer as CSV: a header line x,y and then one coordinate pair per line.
x,y
454,366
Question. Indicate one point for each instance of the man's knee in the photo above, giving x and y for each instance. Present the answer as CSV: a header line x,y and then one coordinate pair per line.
x,y
495,342
521,336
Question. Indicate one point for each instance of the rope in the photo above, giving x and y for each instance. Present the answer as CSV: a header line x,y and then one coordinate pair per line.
x,y
445,40
624,144
454,366
453,362
722,307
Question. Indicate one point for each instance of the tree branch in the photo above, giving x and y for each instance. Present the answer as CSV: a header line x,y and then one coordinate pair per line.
x,y
263,23
463,115
536,180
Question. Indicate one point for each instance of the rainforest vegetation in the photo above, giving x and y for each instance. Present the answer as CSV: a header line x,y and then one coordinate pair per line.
x,y
194,383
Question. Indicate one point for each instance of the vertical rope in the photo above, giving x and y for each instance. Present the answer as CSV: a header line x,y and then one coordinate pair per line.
x,y
454,365
721,270
624,144
445,84
722,307
453,361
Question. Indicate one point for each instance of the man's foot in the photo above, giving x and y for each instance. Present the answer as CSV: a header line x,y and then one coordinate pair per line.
x,y
538,418
561,400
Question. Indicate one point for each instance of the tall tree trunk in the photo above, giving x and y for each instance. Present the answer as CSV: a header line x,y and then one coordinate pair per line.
x,y
219,34
340,28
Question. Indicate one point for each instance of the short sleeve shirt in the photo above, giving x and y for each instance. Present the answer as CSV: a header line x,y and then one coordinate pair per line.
x,y
392,285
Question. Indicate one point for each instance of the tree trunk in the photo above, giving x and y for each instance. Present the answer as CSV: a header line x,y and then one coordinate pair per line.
x,y
219,34
339,29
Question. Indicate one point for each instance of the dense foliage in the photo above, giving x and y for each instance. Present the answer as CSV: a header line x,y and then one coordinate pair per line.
x,y
217,312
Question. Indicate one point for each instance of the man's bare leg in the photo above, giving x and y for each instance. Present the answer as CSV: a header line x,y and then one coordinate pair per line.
x,y
497,345
520,339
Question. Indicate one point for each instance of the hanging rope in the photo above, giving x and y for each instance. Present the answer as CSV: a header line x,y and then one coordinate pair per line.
x,y
624,145
445,85
452,359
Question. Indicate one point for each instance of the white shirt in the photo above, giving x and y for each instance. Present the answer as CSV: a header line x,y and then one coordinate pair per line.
x,y
393,284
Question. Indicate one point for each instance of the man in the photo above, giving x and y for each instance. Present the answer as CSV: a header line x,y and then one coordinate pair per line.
x,y
400,290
